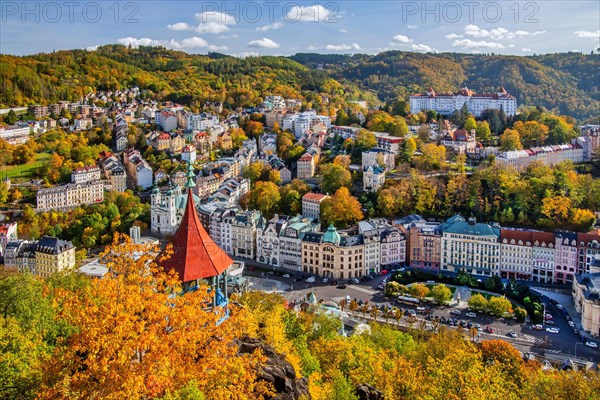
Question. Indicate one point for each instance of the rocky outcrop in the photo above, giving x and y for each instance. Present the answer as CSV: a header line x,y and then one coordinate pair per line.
x,y
368,392
277,371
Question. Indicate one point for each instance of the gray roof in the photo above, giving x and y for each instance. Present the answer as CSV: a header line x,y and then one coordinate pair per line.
x,y
592,284
52,245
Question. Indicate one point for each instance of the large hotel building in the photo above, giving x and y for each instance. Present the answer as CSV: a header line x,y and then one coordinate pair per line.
x,y
447,103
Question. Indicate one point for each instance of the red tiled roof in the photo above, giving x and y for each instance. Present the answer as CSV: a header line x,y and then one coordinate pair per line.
x,y
587,238
314,196
526,236
195,254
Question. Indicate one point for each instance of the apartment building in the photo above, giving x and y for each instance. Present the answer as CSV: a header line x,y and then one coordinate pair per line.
x,y
379,157
244,226
311,205
138,170
70,195
53,255
447,103
586,296
85,174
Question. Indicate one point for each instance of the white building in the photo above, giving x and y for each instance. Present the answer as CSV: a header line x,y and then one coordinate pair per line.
x,y
379,157
138,169
166,210
470,246
547,155
305,166
267,240
70,195
311,205
15,135
167,120
373,178
301,123
201,122
188,154
586,296
447,103
114,171
8,232
244,226
85,174
290,241
231,190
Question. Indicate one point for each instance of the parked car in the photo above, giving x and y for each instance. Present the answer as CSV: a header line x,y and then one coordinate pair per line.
x,y
286,275
571,324
559,307
354,280
299,279
593,345
471,315
456,312
552,330
576,331
512,334
478,327
548,317
325,280
488,330
310,279
341,286
384,272
553,301
537,327
549,322
568,317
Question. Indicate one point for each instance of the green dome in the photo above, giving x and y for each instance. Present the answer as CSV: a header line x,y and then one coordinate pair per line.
x,y
331,236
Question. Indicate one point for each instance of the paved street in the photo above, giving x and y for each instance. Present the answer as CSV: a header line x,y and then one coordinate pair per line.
x,y
565,342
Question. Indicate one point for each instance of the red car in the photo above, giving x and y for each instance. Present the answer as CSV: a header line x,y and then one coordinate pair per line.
x,y
384,272
488,330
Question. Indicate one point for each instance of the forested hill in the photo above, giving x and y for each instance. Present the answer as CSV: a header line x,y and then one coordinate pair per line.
x,y
172,75
567,83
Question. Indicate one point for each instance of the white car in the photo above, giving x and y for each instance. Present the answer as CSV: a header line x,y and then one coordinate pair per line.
x,y
537,327
572,324
559,307
310,279
286,275
325,280
456,312
552,330
471,315
593,345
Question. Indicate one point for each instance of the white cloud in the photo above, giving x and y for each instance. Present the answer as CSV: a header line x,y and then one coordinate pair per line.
x,y
246,54
496,33
263,43
312,48
342,47
526,50
401,39
216,17
193,42
588,34
511,45
92,48
208,22
212,47
232,36
469,44
274,25
411,26
343,30
453,36
180,26
316,13
422,47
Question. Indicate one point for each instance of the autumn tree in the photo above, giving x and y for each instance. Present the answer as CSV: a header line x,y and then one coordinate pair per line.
x,y
531,133
334,176
499,305
238,136
419,290
432,157
265,197
510,140
365,140
441,293
408,148
144,327
253,129
478,303
341,209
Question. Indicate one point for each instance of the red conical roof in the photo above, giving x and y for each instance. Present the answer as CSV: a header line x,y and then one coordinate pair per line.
x,y
195,254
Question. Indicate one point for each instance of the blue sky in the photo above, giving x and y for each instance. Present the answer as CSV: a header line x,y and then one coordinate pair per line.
x,y
282,28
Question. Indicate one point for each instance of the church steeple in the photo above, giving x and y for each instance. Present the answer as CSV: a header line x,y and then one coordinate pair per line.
x,y
195,255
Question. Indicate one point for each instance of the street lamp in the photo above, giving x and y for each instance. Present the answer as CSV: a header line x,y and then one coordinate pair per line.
x,y
576,343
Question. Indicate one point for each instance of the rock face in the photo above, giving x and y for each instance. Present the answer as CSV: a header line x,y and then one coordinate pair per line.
x,y
368,392
277,371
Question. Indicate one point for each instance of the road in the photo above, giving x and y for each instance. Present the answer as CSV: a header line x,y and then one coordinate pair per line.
x,y
565,342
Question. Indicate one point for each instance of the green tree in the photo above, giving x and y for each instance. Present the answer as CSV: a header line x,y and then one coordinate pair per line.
x,y
335,176
365,140
11,117
499,305
265,197
510,140
470,124
478,303
441,294
483,131
409,146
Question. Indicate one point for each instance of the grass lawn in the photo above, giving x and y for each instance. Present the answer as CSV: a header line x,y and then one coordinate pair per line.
x,y
24,171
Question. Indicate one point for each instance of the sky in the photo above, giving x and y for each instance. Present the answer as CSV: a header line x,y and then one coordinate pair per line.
x,y
245,28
